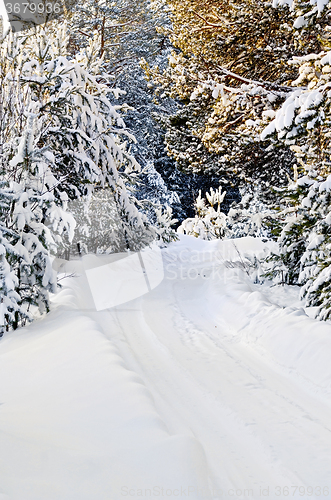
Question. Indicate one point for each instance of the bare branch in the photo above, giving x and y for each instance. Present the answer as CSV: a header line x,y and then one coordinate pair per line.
x,y
228,124
209,24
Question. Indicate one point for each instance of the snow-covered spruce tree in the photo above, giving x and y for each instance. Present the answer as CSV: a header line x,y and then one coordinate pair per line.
x,y
9,304
303,229
290,224
315,263
90,138
10,300
29,213
303,123
33,213
26,271
61,138
132,34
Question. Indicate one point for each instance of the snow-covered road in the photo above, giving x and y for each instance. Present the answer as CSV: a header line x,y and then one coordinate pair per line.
x,y
232,380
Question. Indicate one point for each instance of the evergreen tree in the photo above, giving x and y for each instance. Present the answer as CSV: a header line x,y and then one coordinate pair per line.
x,y
10,257
302,123
230,71
61,137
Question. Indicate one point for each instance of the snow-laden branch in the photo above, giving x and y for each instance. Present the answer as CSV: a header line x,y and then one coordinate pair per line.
x,y
264,84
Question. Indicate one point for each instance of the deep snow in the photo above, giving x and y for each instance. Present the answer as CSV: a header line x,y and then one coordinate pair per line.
x,y
208,386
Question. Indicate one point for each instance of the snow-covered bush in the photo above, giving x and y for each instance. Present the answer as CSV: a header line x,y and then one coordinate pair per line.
x,y
315,263
211,222
164,223
303,233
247,218
290,225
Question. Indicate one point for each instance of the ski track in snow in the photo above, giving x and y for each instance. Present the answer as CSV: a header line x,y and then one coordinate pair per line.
x,y
255,424
223,364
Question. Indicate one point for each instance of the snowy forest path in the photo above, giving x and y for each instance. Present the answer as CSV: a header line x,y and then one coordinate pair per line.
x,y
255,424
237,369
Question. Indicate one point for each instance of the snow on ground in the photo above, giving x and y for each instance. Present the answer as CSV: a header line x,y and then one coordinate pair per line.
x,y
208,387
